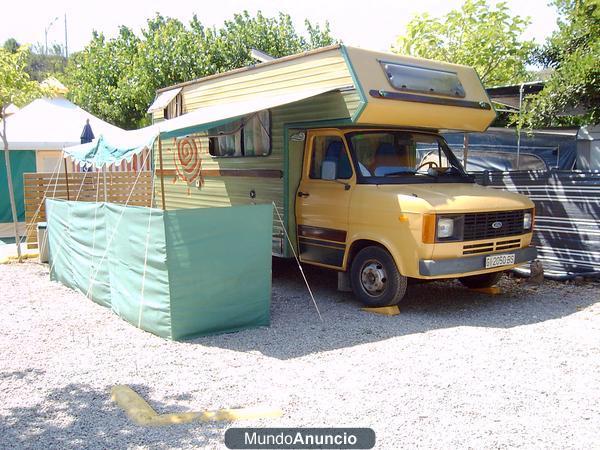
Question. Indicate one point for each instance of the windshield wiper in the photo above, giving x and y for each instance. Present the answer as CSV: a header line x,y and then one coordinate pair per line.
x,y
453,171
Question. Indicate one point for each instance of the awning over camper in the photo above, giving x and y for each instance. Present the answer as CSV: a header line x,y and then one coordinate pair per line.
x,y
114,147
163,99
211,116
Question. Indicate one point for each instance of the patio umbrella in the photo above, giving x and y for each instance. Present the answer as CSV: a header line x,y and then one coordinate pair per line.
x,y
87,135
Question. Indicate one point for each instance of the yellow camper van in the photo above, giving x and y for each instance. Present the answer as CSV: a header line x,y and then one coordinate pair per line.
x,y
346,143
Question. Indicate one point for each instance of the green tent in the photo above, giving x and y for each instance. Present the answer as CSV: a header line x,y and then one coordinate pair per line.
x,y
21,161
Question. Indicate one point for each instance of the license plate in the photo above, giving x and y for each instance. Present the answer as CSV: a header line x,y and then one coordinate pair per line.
x,y
499,260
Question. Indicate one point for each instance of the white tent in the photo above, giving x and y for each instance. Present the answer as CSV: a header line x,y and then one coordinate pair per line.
x,y
36,134
51,124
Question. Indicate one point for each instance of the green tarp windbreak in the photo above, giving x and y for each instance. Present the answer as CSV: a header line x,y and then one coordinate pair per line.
x,y
207,270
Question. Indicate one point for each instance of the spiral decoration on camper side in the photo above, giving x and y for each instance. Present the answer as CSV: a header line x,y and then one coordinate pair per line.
x,y
188,163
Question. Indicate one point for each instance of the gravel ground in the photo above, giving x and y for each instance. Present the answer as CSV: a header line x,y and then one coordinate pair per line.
x,y
456,369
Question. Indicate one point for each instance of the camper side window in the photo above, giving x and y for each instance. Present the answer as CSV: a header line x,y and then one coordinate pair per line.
x,y
175,108
421,79
226,140
248,137
257,135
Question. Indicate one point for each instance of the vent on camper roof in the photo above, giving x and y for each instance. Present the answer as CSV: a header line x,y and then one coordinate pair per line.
x,y
261,56
403,77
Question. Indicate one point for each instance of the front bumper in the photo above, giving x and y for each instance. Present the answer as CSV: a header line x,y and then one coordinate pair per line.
x,y
466,264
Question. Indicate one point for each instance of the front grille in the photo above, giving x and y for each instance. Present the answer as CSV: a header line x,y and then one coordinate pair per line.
x,y
478,248
488,247
508,245
479,225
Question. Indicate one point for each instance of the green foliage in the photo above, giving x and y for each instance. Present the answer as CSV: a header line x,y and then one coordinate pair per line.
x,y
11,45
486,38
15,84
571,95
101,77
116,79
42,64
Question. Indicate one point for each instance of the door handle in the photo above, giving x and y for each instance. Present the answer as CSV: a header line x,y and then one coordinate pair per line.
x,y
303,194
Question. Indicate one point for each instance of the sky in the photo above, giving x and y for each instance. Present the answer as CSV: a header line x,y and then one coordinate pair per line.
x,y
375,26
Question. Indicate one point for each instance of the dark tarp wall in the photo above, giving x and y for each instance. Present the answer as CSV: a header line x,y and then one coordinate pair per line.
x,y
567,217
178,274
557,150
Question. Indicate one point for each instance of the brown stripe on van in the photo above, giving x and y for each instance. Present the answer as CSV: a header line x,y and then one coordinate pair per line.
x,y
328,234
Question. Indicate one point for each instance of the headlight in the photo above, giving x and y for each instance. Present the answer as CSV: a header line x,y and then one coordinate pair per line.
x,y
527,220
445,228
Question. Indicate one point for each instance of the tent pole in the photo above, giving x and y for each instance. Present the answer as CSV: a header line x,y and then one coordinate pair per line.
x,y
67,179
519,126
11,192
465,150
104,176
162,181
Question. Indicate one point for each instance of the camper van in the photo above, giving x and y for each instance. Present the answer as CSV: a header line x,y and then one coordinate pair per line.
x,y
346,144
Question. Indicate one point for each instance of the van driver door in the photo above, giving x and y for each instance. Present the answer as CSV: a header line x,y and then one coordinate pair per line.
x,y
322,203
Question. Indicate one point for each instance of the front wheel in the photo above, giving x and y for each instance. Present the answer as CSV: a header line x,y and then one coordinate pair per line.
x,y
375,279
481,281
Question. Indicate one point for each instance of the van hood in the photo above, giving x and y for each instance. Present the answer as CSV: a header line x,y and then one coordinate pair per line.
x,y
459,198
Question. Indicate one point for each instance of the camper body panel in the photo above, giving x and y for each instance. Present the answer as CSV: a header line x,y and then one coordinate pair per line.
x,y
229,181
413,108
226,181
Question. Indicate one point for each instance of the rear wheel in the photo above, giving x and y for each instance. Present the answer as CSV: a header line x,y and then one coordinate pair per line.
x,y
481,281
375,279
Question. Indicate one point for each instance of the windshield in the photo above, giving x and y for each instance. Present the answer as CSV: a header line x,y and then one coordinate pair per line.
x,y
384,155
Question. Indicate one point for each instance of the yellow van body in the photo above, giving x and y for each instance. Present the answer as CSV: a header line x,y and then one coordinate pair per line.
x,y
344,218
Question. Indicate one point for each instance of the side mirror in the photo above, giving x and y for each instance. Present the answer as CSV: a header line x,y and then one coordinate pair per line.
x,y
329,170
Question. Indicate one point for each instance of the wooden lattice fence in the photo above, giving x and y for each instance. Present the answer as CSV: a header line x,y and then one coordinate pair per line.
x,y
115,187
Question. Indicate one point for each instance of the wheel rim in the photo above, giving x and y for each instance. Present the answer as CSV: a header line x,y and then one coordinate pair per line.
x,y
373,278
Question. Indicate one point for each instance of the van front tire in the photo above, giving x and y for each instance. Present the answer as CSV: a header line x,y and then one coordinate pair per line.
x,y
375,279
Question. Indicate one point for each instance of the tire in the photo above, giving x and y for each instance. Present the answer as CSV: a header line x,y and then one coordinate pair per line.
x,y
375,279
481,281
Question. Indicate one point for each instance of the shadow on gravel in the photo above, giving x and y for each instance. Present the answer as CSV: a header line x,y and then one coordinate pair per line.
x,y
81,416
296,331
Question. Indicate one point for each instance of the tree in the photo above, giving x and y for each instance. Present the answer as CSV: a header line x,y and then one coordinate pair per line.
x,y
117,79
275,36
42,64
15,87
477,35
102,81
573,52
11,45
